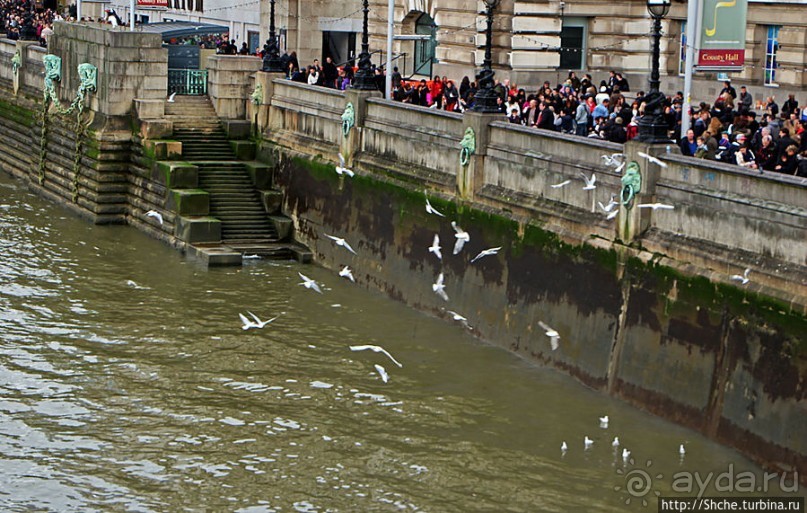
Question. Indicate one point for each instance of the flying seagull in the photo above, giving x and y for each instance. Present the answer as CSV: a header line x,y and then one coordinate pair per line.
x,y
435,247
461,235
612,214
561,184
341,242
744,278
255,323
612,203
613,160
309,283
656,206
376,349
484,253
431,210
246,323
564,447
346,273
604,422
459,318
171,98
342,168
382,372
589,182
553,335
681,450
651,158
156,215
439,288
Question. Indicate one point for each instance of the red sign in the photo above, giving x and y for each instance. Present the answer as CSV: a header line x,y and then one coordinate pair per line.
x,y
152,3
720,58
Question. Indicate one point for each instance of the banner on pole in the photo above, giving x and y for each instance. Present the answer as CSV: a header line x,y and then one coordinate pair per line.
x,y
152,3
721,35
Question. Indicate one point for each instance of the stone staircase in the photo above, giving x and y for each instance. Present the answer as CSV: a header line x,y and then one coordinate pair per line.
x,y
247,227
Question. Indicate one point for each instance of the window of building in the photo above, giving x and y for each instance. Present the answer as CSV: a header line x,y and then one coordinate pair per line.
x,y
682,54
771,49
573,44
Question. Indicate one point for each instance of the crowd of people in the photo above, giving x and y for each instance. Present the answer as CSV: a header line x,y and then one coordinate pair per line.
x,y
16,14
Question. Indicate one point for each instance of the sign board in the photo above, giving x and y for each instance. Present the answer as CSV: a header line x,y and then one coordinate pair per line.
x,y
721,35
152,3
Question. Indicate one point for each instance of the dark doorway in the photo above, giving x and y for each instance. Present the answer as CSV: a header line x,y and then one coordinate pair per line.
x,y
424,49
572,51
339,46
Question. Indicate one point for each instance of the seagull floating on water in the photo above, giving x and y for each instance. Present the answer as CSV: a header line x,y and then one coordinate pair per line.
x,y
625,455
382,372
589,182
744,278
461,235
486,252
309,283
681,450
342,168
561,184
156,215
435,247
340,242
553,335
171,97
604,422
431,210
346,273
377,349
615,443
587,442
656,206
251,257
439,287
564,447
651,158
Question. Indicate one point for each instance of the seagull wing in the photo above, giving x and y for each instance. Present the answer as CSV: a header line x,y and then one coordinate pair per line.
x,y
442,293
396,362
459,244
612,215
335,239
553,341
341,161
246,322
382,372
347,247
440,280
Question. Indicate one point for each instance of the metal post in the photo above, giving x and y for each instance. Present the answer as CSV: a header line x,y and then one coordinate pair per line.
x,y
485,100
364,76
390,35
271,58
692,17
131,15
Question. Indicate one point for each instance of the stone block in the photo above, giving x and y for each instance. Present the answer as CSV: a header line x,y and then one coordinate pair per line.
x,y
156,128
217,256
149,109
237,128
244,150
272,201
163,150
283,225
176,175
261,175
195,230
189,202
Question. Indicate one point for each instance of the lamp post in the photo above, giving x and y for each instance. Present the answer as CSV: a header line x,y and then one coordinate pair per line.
x,y
271,59
652,125
485,99
364,80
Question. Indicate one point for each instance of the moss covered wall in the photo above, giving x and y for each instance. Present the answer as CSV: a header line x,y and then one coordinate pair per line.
x,y
723,360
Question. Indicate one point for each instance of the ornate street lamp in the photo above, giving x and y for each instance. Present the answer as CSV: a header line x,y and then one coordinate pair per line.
x,y
652,125
364,80
485,99
271,58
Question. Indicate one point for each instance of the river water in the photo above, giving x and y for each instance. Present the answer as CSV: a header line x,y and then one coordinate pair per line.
x,y
127,384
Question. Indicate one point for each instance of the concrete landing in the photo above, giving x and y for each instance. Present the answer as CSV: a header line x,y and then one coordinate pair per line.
x,y
220,255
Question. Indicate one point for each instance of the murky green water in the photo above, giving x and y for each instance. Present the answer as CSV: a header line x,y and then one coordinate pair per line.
x,y
148,396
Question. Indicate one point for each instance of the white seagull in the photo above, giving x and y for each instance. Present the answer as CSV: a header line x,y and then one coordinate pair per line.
x,y
156,215
656,206
342,168
382,372
615,443
681,450
246,323
564,447
587,442
612,214
461,235
651,158
346,273
341,242
486,252
625,455
309,283
459,318
171,98
435,247
256,323
431,210
589,182
744,278
439,287
377,349
553,335
613,160
604,422
612,203
561,184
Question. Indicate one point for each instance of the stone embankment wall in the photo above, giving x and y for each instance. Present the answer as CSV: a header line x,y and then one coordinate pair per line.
x,y
644,303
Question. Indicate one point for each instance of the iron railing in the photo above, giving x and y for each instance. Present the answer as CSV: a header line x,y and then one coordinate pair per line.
x,y
187,81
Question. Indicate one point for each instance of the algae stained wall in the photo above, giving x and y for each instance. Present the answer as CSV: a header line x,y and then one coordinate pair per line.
x,y
712,357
